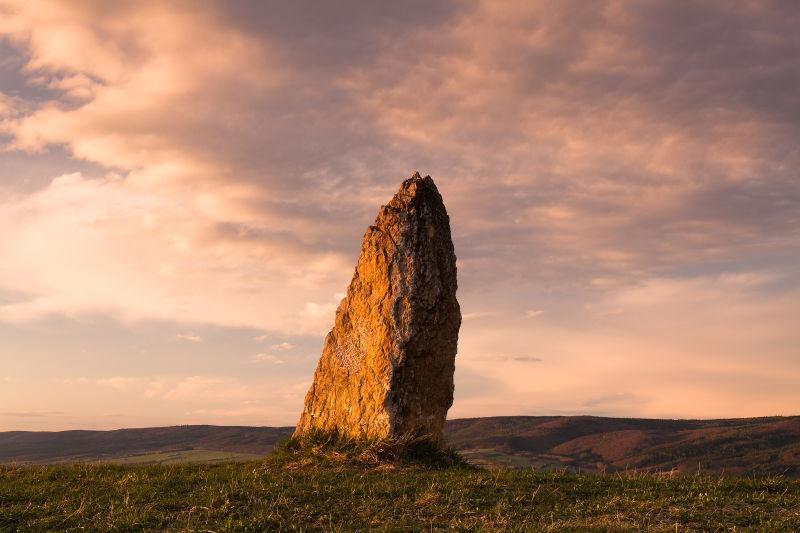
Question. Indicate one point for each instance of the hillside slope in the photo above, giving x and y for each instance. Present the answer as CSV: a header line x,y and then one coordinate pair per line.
x,y
741,446
89,446
747,445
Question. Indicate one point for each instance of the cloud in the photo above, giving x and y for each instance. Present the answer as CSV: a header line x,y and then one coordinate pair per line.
x,y
97,246
168,399
32,414
321,314
9,105
283,346
510,358
611,154
214,388
75,381
475,315
630,167
117,382
257,411
533,313
612,400
523,358
586,128
709,346
191,337
267,358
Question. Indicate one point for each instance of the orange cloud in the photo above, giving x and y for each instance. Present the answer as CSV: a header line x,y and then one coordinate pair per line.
x,y
630,168
100,246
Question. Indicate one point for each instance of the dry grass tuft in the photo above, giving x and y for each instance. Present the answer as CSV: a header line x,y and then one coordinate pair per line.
x,y
329,449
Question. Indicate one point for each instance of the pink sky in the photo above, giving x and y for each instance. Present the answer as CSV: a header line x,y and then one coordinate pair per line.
x,y
184,187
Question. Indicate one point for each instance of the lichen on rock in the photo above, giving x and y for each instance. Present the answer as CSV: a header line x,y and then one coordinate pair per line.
x,y
386,369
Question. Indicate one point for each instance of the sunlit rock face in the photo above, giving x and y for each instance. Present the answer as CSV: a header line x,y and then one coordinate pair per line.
x,y
387,366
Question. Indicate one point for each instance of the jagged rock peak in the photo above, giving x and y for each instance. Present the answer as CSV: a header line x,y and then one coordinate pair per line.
x,y
386,369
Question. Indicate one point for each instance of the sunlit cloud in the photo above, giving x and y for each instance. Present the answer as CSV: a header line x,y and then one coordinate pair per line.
x,y
621,179
692,346
283,346
267,358
475,315
191,337
117,382
220,399
97,246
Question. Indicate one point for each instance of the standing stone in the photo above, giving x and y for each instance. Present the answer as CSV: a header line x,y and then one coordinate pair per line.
x,y
387,366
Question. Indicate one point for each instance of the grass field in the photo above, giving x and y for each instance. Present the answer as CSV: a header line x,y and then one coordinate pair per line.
x,y
255,496
182,456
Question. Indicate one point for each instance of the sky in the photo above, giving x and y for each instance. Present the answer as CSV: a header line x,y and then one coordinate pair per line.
x,y
184,187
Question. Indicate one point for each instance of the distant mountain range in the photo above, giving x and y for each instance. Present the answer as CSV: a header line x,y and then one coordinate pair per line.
x,y
758,446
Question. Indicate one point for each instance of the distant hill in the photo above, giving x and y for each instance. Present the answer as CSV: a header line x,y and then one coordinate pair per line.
x,y
586,443
742,446
90,446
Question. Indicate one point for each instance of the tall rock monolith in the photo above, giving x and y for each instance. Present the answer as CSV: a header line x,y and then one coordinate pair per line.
x,y
387,365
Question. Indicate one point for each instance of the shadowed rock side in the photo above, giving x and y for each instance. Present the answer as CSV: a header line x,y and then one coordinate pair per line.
x,y
387,366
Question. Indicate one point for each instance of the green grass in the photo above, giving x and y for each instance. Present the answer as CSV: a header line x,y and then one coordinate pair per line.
x,y
261,496
489,458
181,456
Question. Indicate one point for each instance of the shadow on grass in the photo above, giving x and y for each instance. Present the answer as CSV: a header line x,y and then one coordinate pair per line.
x,y
330,449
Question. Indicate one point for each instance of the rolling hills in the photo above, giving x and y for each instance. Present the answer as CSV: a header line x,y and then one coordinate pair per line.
x,y
25,447
734,446
579,443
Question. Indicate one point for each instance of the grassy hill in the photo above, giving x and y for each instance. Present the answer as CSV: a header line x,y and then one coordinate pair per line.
x,y
734,446
594,444
206,478
255,496
125,445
